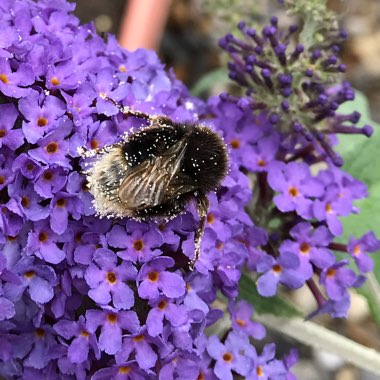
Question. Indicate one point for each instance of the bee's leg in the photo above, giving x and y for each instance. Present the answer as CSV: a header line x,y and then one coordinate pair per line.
x,y
202,207
86,153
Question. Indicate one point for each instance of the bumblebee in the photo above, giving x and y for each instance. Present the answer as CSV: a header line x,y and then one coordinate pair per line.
x,y
157,171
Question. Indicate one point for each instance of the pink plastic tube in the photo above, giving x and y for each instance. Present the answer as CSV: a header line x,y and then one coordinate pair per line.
x,y
143,24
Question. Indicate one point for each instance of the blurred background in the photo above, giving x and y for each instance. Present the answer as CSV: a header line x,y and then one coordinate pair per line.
x,y
185,35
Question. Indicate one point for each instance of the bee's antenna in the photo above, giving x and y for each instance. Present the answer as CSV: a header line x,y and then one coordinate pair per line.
x,y
162,120
202,208
129,112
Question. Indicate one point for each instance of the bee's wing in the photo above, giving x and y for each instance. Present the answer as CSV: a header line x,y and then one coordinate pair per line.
x,y
151,182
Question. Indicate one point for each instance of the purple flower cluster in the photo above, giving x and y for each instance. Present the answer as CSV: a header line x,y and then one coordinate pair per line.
x,y
283,129
83,297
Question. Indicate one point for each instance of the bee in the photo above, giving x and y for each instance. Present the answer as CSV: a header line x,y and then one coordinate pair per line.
x,y
155,172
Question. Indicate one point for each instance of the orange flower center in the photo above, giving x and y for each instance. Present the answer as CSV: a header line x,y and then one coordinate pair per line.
x,y
210,218
331,272
138,338
138,245
4,78
94,144
112,318
261,163
277,268
293,191
228,357
42,237
235,144
153,276
42,121
55,81
25,202
357,250
40,333
29,274
52,148
124,370
328,208
111,277
61,203
259,371
85,334
241,323
48,175
305,248
122,69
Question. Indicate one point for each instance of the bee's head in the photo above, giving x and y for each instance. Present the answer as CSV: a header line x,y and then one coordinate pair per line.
x,y
206,158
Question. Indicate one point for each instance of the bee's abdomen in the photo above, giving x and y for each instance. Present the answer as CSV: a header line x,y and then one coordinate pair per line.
x,y
206,159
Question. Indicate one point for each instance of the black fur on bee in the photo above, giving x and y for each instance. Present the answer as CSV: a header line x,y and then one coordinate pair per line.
x,y
157,171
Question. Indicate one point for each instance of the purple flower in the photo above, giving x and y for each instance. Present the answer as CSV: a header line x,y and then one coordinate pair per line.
x,y
154,280
340,191
7,307
140,345
62,206
358,249
13,83
41,114
50,181
39,280
241,314
185,366
162,310
264,153
310,245
80,105
199,292
107,280
230,356
53,148
335,308
284,270
83,341
296,186
43,243
112,326
127,371
140,245
28,167
12,138
266,366
41,347
337,279
28,202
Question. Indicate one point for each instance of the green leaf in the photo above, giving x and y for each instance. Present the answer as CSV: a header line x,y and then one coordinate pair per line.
x,y
368,219
362,161
360,153
357,149
210,81
265,305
